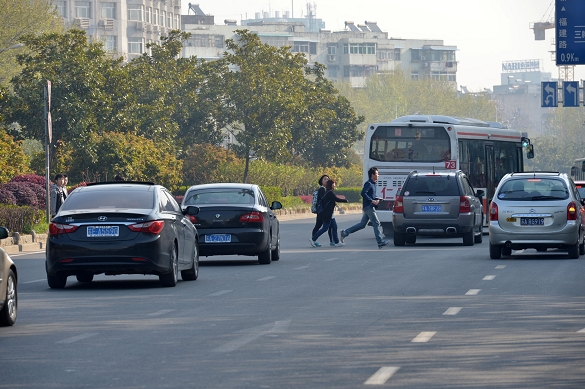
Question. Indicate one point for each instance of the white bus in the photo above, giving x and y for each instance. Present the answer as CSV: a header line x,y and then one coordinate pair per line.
x,y
485,151
578,170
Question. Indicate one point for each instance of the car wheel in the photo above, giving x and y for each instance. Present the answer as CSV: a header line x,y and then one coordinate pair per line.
x,y
468,238
399,239
506,251
8,312
169,280
193,273
56,281
84,277
495,251
410,239
479,238
574,251
582,247
276,251
265,257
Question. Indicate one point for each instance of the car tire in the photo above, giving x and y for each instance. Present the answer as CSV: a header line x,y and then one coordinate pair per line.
x,y
276,251
495,251
84,277
399,239
574,251
56,281
8,312
479,237
192,273
506,251
169,280
265,257
468,238
410,239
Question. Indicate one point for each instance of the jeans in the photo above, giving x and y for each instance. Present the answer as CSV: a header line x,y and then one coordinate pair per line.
x,y
330,226
369,213
318,224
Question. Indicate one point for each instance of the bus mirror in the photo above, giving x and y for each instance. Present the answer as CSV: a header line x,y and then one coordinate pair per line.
x,y
583,166
479,193
530,151
573,171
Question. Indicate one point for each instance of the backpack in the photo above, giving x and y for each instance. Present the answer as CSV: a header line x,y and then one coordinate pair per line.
x,y
315,203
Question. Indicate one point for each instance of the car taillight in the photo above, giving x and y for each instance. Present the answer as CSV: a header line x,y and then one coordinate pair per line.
x,y
193,218
153,227
252,217
464,204
399,205
493,212
58,228
572,211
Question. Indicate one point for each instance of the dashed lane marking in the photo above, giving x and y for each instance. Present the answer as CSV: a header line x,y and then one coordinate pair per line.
x,y
266,278
424,337
302,267
488,278
500,267
220,292
472,292
581,331
452,311
330,259
160,313
76,338
30,282
382,375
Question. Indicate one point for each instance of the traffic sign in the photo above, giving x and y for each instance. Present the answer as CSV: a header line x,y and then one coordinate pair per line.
x,y
570,32
548,94
570,93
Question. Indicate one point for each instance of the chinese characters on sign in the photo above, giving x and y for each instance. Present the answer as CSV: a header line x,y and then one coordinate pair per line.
x,y
570,32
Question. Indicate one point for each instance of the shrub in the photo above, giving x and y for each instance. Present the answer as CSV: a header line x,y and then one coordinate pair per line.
x,y
25,196
273,193
31,178
6,197
307,199
20,219
353,195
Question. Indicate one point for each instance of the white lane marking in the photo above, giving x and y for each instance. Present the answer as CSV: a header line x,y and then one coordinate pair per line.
x,y
302,267
266,278
251,334
472,292
220,292
499,267
26,253
581,331
161,312
424,337
452,311
382,375
30,282
330,259
76,338
488,278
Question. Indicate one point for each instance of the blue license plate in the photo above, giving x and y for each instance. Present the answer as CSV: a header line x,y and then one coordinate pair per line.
x,y
532,221
102,231
218,238
431,208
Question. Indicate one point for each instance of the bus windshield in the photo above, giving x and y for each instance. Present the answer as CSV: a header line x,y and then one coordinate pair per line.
x,y
408,144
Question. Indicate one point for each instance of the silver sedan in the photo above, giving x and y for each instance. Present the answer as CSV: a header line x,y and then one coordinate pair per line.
x,y
8,289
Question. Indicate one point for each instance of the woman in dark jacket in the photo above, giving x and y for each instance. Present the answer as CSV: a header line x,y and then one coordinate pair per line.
x,y
320,193
327,207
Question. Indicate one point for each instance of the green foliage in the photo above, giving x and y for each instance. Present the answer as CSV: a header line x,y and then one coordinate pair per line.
x,y
293,202
13,160
202,161
353,195
21,219
272,193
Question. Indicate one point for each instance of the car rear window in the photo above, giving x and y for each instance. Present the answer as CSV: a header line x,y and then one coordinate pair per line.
x,y
533,189
431,185
109,199
220,196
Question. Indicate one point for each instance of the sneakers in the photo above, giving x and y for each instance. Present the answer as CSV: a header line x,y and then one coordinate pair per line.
x,y
382,243
342,236
332,244
314,243
339,244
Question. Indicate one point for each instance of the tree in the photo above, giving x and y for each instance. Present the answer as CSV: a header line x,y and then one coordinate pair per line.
x,y
13,160
263,95
18,18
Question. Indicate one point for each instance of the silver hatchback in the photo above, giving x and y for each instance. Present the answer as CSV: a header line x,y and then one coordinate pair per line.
x,y
537,210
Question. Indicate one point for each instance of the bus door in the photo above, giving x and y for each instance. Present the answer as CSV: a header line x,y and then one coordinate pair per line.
x,y
490,178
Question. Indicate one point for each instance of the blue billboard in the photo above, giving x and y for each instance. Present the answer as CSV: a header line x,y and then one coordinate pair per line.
x,y
570,32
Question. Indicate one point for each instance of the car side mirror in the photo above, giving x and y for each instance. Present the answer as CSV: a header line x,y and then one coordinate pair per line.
x,y
480,193
276,205
191,210
3,233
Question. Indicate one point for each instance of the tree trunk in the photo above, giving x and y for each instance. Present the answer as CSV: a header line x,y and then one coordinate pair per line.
x,y
247,166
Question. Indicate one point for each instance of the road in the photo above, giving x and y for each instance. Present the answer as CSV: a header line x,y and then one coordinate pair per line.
x,y
433,315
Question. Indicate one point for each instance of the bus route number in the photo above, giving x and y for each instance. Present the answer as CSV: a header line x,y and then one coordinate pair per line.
x,y
451,164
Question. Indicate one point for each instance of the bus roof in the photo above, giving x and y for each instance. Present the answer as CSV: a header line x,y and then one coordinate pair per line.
x,y
440,119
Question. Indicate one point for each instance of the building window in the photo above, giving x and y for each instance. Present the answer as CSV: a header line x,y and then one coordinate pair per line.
x,y
332,71
135,45
155,16
415,55
148,15
110,44
170,20
300,47
276,41
161,18
83,9
359,48
331,50
177,21
219,40
108,11
396,54
135,12
61,8
414,76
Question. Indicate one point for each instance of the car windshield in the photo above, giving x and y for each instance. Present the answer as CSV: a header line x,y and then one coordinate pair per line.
x,y
533,189
435,185
112,199
220,196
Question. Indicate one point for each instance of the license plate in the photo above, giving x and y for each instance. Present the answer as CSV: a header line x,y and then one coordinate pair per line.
x,y
431,208
102,231
218,238
532,221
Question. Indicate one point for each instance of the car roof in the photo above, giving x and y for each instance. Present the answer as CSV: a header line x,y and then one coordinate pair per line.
x,y
436,173
536,173
118,185
223,185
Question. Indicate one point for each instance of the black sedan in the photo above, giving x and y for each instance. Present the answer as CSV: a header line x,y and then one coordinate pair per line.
x,y
235,219
121,228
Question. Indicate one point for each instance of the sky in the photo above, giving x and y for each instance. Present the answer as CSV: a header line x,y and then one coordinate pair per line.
x,y
486,32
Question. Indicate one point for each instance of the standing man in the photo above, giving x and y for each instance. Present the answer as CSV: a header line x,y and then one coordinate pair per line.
x,y
57,194
369,201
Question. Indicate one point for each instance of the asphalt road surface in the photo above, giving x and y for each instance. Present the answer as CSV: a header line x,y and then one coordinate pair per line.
x,y
433,315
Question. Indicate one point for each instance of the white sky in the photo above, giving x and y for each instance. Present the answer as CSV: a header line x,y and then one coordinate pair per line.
x,y
486,32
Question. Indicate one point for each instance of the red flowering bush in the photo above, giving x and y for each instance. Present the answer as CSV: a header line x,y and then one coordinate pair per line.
x,y
6,197
307,199
72,188
32,178
23,193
